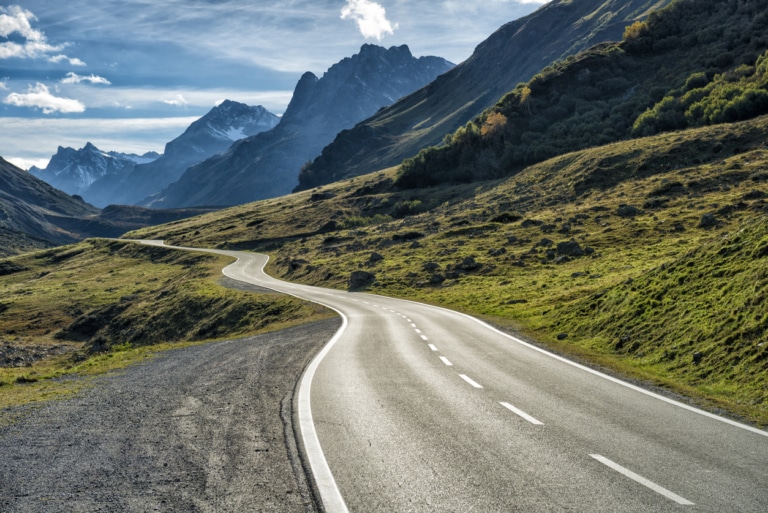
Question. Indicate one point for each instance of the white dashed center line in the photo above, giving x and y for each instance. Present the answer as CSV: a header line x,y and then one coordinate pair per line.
x,y
424,337
446,361
643,481
470,381
432,347
522,414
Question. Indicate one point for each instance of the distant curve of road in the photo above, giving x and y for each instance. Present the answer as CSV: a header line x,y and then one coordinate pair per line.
x,y
412,407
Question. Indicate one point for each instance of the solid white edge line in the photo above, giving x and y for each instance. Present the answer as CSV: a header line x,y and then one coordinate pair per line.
x,y
596,372
446,361
326,484
521,413
329,492
643,481
470,381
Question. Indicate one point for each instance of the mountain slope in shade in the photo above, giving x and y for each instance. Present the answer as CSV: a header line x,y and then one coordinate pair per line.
x,y
212,134
35,215
513,54
268,164
76,171
30,210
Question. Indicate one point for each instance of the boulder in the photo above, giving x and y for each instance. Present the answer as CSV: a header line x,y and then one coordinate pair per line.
x,y
570,248
360,279
628,211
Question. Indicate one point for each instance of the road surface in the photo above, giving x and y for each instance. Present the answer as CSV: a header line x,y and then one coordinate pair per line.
x,y
416,408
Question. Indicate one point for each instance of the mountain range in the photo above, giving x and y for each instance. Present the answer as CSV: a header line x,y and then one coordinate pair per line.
x,y
268,164
81,171
104,178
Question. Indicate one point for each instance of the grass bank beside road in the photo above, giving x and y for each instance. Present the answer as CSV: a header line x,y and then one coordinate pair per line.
x,y
82,310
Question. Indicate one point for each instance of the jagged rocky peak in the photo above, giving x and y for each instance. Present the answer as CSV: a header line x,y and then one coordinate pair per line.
x,y
230,115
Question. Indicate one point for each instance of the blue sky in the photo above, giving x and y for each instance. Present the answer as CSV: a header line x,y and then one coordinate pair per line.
x,y
130,75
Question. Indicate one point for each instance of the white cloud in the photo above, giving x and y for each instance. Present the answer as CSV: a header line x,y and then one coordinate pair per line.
x,y
38,96
371,18
16,20
28,163
177,101
74,78
74,61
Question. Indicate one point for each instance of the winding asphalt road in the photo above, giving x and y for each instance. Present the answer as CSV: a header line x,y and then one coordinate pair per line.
x,y
416,408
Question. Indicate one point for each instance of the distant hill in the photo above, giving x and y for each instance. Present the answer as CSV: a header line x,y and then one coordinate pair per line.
x,y
268,164
691,64
80,171
30,209
513,54
34,215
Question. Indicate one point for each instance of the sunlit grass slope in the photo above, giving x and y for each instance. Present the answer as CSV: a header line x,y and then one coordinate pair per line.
x,y
643,256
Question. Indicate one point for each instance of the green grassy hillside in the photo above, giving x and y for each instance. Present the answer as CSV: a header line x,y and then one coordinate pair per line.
x,y
82,309
589,253
690,64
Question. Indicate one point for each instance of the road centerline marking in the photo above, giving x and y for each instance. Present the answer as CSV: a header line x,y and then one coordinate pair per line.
x,y
446,361
433,347
471,381
424,337
522,414
643,481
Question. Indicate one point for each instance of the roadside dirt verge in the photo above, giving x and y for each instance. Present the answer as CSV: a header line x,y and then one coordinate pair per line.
x,y
197,429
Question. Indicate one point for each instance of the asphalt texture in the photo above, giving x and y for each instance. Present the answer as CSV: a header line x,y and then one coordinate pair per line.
x,y
201,429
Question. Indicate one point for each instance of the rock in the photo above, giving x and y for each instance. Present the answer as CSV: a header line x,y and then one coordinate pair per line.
x,y
531,222
497,252
436,279
430,267
468,264
628,211
360,279
697,357
708,221
296,264
375,257
562,336
570,248
407,236
320,196
506,217
562,259
330,226
416,244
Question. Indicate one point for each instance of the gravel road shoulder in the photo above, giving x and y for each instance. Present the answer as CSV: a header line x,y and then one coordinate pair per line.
x,y
205,428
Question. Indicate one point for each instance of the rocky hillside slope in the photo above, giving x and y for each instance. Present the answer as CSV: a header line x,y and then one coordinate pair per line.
x,y
513,54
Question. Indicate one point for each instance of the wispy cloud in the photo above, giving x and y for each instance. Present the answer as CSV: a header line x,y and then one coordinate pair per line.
x,y
177,101
39,96
371,18
74,78
17,21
